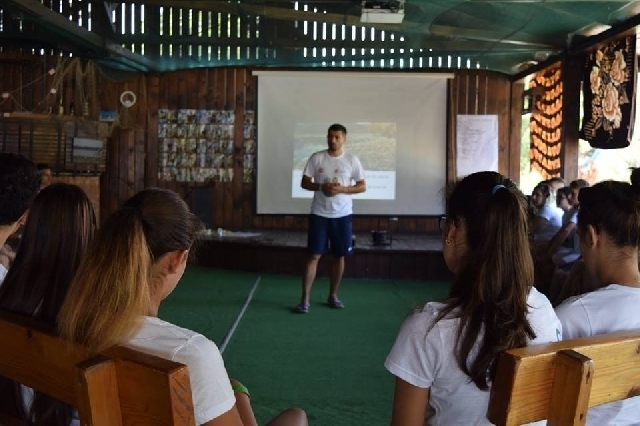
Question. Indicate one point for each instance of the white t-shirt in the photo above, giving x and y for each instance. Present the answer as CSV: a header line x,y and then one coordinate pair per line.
x,y
3,273
210,386
606,310
569,251
323,168
553,216
423,355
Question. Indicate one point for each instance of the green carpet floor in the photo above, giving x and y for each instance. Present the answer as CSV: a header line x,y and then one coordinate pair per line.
x,y
328,362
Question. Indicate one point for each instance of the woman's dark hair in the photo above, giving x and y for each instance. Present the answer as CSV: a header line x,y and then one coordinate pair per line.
x,y
60,225
490,290
613,207
578,184
563,192
19,184
111,291
545,189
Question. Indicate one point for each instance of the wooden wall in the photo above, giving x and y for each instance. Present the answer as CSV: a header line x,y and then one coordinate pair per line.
x,y
132,150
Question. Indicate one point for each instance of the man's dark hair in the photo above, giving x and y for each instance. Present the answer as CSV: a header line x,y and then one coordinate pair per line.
x,y
19,185
337,128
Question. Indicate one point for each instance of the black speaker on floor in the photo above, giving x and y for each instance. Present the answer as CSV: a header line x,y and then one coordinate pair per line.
x,y
381,238
202,200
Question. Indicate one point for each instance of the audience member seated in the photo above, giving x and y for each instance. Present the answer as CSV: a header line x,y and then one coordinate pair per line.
x,y
564,248
554,261
445,353
7,255
18,187
609,228
578,281
60,225
562,200
547,218
556,183
134,263
44,174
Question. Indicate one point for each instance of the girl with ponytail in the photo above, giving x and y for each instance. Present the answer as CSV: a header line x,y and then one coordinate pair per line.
x,y
135,262
609,232
445,353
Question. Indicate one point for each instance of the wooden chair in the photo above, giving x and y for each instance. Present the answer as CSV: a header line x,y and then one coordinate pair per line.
x,y
117,387
560,381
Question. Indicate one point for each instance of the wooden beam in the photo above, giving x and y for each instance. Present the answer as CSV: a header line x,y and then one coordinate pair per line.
x,y
571,82
47,18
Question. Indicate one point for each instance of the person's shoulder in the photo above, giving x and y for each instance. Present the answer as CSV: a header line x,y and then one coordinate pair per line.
x,y
351,157
171,336
425,319
535,299
573,306
543,318
319,154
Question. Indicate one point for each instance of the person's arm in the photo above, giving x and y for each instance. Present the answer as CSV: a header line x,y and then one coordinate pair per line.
x,y
537,223
409,404
359,187
559,238
308,184
230,418
5,261
243,404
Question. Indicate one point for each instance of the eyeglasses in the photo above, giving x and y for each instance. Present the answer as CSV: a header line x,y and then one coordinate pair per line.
x,y
442,222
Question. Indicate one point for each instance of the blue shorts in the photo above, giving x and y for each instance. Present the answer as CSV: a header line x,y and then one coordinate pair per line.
x,y
334,234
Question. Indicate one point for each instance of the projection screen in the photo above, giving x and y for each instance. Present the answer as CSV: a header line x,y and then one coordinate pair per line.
x,y
396,125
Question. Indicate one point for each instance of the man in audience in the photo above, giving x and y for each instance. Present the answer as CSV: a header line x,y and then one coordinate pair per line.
x,y
333,175
556,183
19,185
564,248
44,172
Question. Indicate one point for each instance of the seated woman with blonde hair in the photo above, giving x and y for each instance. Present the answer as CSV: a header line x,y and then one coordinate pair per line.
x,y
136,261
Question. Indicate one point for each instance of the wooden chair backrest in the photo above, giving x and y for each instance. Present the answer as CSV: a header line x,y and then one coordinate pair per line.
x,y
560,381
119,386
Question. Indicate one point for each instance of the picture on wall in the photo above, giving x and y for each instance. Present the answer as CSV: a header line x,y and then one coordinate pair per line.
x,y
196,145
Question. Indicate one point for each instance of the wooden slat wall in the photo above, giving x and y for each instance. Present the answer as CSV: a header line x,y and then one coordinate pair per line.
x,y
132,152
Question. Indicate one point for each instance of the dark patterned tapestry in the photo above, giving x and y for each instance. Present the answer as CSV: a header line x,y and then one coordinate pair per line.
x,y
608,87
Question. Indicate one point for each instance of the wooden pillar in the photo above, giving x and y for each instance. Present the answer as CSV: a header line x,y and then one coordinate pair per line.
x,y
515,131
571,76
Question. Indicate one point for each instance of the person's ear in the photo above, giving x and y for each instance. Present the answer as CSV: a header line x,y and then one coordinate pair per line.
x,y
23,218
452,230
176,259
592,237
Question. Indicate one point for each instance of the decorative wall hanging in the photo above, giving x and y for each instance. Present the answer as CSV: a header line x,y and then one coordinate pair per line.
x,y
608,86
249,146
196,145
545,125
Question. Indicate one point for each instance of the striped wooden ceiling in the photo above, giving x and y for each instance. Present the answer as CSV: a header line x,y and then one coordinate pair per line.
x,y
509,36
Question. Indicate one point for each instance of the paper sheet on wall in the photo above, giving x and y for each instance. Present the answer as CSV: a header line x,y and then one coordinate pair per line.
x,y
476,144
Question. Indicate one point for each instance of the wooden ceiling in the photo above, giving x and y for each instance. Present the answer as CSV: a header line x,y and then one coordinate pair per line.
x,y
509,36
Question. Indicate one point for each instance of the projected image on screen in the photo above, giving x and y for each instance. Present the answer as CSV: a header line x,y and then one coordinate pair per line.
x,y
373,143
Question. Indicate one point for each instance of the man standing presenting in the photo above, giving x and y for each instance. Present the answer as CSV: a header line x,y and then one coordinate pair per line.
x,y
330,174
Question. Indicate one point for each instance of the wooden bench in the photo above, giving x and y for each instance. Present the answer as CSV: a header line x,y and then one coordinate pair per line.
x,y
560,381
120,386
